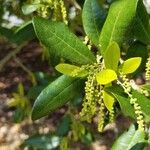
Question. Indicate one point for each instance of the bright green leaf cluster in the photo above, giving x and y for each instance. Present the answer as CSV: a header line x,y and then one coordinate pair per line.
x,y
106,76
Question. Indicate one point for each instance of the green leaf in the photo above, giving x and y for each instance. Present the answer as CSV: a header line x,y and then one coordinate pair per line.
x,y
42,142
116,89
124,102
55,95
129,139
108,101
112,56
93,19
64,126
59,40
28,9
131,65
118,21
70,70
138,50
7,33
146,87
24,33
144,103
142,27
106,76
126,108
19,115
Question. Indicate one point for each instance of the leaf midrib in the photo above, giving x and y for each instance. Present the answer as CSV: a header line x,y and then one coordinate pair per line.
x,y
94,21
132,138
143,27
113,30
47,106
54,34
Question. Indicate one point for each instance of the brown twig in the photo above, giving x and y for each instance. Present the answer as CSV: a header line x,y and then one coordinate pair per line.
x,y
11,55
31,75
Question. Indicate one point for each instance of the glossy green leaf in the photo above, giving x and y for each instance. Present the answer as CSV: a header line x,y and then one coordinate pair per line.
x,y
116,89
112,56
70,70
108,101
126,108
120,16
55,95
59,40
138,50
93,16
131,65
106,76
124,102
142,27
144,103
129,139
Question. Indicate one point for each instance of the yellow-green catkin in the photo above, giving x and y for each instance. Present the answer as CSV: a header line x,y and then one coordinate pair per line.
x,y
111,115
144,92
44,10
93,102
83,68
89,103
125,83
101,107
138,112
57,16
147,74
64,144
63,11
78,130
101,119
87,42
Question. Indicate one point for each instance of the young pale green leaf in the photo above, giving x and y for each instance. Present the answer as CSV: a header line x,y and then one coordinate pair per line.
x,y
144,103
129,139
141,29
93,16
28,9
138,49
55,95
71,70
108,101
131,65
60,41
118,21
106,76
112,56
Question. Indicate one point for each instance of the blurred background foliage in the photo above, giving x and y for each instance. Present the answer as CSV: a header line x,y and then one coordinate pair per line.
x,y
17,30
